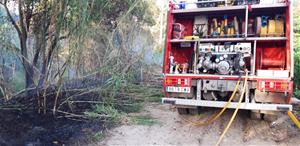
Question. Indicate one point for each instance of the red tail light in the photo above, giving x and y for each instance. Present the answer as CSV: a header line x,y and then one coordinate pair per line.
x,y
182,82
276,86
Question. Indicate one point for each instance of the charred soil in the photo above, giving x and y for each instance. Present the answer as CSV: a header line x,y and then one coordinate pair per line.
x,y
31,129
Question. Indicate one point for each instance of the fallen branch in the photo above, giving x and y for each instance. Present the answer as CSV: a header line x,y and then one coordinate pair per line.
x,y
71,114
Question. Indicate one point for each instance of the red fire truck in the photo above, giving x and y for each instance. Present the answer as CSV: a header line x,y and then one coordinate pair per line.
x,y
219,52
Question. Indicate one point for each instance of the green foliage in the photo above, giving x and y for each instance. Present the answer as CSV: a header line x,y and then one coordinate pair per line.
x,y
18,82
81,21
146,94
297,93
119,81
103,32
116,85
98,136
8,34
104,111
297,47
138,95
297,69
144,120
155,98
132,106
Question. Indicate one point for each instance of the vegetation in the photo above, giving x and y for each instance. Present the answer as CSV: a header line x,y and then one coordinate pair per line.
x,y
143,120
106,111
98,136
57,41
113,110
83,60
297,47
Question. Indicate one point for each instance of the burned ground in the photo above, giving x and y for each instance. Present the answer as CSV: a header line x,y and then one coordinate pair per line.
x,y
27,128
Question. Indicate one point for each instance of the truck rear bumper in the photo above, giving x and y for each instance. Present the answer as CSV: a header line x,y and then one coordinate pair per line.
x,y
232,105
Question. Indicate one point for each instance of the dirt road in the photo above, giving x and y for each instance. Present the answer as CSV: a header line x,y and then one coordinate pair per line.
x,y
171,129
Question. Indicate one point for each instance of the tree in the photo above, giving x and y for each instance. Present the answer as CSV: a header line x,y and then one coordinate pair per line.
x,y
297,44
46,23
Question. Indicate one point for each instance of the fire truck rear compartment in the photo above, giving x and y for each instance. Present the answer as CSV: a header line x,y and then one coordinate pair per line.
x,y
214,93
209,49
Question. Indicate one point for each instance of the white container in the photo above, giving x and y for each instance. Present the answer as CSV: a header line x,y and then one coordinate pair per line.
x,y
191,4
267,1
265,73
273,73
281,73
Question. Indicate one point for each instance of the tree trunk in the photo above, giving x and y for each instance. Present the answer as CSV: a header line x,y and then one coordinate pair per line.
x,y
46,62
26,64
28,75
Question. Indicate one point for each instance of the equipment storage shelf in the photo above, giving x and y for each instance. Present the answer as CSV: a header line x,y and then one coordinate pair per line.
x,y
212,9
227,34
269,6
266,22
230,39
266,39
209,40
229,8
238,25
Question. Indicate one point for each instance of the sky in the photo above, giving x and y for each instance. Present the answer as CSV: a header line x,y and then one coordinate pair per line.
x,y
162,3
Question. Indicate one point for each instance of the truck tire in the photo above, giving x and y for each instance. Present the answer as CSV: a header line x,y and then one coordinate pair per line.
x,y
193,111
254,115
182,111
270,117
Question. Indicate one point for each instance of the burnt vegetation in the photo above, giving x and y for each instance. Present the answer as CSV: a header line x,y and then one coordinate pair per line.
x,y
70,69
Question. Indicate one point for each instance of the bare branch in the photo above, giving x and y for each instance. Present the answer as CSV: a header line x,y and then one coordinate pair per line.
x,y
10,17
3,2
22,25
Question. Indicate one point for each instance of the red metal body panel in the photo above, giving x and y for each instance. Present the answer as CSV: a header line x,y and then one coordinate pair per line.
x,y
289,48
288,34
182,55
168,39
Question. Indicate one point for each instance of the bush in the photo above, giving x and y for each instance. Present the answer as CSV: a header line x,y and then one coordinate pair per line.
x,y
104,111
18,82
297,93
297,74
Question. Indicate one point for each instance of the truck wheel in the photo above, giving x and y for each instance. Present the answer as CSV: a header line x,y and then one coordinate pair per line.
x,y
182,111
255,115
193,111
270,117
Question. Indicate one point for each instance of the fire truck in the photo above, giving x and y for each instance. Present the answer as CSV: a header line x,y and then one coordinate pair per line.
x,y
229,53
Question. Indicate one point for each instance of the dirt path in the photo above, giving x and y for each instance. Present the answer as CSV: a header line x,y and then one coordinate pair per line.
x,y
171,129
